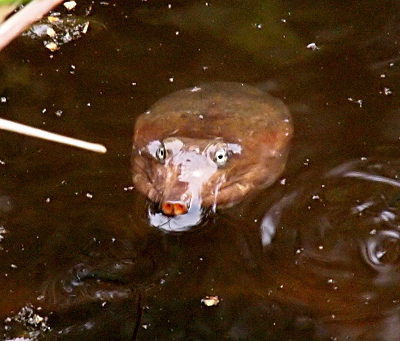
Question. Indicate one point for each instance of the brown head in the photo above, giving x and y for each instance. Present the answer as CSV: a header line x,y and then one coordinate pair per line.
x,y
209,146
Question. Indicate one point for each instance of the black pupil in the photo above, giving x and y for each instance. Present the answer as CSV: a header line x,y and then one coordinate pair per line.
x,y
220,155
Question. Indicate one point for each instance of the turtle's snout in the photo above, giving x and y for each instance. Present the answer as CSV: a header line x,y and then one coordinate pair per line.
x,y
171,208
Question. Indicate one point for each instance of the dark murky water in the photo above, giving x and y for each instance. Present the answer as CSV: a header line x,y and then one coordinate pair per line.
x,y
315,257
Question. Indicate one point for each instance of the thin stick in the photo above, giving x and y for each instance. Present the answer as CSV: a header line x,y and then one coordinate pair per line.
x,y
17,23
42,134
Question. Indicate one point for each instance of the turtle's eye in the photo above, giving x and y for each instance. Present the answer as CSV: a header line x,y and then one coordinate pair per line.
x,y
221,156
161,153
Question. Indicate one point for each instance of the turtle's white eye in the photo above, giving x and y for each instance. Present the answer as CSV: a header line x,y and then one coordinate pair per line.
x,y
161,153
221,156
157,150
162,150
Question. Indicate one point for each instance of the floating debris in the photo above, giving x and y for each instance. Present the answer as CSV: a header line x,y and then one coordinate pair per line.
x,y
57,29
52,46
50,32
70,5
27,324
313,46
18,22
210,301
52,19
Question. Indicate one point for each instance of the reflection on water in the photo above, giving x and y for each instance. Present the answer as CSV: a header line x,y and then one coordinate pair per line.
x,y
335,246
79,259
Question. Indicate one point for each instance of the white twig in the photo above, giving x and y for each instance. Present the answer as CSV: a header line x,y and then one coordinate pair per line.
x,y
26,130
17,23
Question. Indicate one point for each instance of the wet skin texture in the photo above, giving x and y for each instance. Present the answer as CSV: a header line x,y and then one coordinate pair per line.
x,y
209,146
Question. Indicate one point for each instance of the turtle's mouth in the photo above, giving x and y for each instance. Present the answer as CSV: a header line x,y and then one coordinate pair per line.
x,y
195,216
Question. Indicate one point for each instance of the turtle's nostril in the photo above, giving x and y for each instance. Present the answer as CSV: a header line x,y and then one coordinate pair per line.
x,y
180,209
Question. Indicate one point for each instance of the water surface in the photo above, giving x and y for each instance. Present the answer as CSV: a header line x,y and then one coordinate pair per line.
x,y
314,257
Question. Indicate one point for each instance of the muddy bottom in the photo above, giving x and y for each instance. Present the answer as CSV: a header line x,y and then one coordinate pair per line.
x,y
314,257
